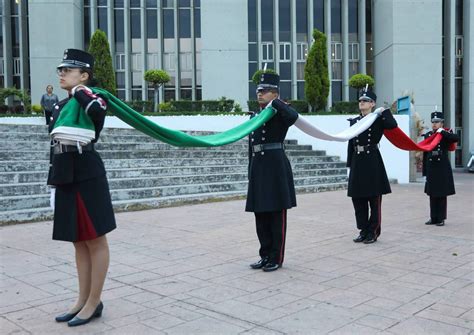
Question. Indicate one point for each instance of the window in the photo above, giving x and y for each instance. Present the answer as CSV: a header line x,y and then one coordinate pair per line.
x,y
459,46
285,52
152,61
168,60
186,61
301,51
336,51
119,62
353,51
2,64
136,62
267,52
16,66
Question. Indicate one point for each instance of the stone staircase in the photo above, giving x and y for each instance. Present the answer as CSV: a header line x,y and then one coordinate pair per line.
x,y
145,173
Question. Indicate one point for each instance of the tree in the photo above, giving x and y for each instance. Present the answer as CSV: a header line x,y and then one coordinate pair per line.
x,y
156,78
360,80
316,75
258,73
104,72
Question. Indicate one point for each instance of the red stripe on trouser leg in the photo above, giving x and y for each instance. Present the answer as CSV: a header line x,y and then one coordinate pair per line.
x,y
378,229
283,237
85,228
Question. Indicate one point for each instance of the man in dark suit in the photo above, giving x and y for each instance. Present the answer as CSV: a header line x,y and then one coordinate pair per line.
x,y
368,179
271,189
437,169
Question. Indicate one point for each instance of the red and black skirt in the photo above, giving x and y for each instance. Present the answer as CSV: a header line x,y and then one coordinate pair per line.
x,y
83,211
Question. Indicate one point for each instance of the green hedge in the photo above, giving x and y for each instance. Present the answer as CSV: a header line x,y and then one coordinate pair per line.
x,y
301,106
140,106
203,106
345,107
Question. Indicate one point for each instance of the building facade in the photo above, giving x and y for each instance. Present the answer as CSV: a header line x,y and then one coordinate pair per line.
x,y
211,48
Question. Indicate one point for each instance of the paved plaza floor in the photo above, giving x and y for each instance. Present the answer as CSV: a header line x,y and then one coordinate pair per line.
x,y
184,270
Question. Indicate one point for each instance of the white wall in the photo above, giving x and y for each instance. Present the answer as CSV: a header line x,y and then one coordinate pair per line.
x,y
224,50
408,52
54,25
396,161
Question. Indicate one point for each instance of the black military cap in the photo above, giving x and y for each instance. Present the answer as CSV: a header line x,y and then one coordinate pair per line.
x,y
77,58
269,80
437,117
367,95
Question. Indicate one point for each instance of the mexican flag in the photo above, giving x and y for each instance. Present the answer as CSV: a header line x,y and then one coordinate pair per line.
x,y
73,126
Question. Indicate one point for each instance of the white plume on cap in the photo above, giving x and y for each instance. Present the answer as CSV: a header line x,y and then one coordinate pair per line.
x,y
265,67
366,87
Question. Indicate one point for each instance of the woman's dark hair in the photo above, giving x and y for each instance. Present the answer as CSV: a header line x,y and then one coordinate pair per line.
x,y
91,81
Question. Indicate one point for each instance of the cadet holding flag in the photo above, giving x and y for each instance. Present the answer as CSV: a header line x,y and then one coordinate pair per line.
x,y
83,212
368,179
271,189
437,169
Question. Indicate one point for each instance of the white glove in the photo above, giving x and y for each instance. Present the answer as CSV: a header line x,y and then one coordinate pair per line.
x,y
52,198
379,110
440,130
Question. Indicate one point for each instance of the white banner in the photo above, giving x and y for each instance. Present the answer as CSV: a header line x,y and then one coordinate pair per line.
x,y
345,135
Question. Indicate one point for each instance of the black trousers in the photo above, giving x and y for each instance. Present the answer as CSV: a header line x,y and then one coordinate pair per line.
x,y
369,223
438,208
47,116
271,232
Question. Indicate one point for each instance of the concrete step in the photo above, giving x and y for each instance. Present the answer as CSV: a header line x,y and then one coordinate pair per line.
x,y
46,213
137,154
44,146
145,173
29,189
43,165
299,169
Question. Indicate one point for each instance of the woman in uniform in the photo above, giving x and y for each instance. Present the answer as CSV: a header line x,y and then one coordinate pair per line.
x,y
83,212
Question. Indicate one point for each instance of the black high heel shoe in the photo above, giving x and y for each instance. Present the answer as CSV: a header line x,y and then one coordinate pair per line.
x,y
66,316
78,321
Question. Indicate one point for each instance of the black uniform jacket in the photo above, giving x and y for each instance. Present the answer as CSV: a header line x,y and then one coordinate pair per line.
x,y
367,177
271,187
72,167
437,168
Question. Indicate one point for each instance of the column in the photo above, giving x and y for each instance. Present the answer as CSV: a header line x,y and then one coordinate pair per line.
x,y
93,14
7,50
294,52
193,54
128,50
345,49
159,17
177,87
111,29
362,38
449,95
276,29
327,31
143,34
22,19
468,82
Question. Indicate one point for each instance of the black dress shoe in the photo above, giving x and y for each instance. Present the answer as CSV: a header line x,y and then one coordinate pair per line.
x,y
440,223
271,267
66,316
359,239
78,321
260,264
370,240
429,222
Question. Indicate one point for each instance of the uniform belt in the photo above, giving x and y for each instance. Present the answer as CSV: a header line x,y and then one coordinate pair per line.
x,y
267,146
363,148
59,148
